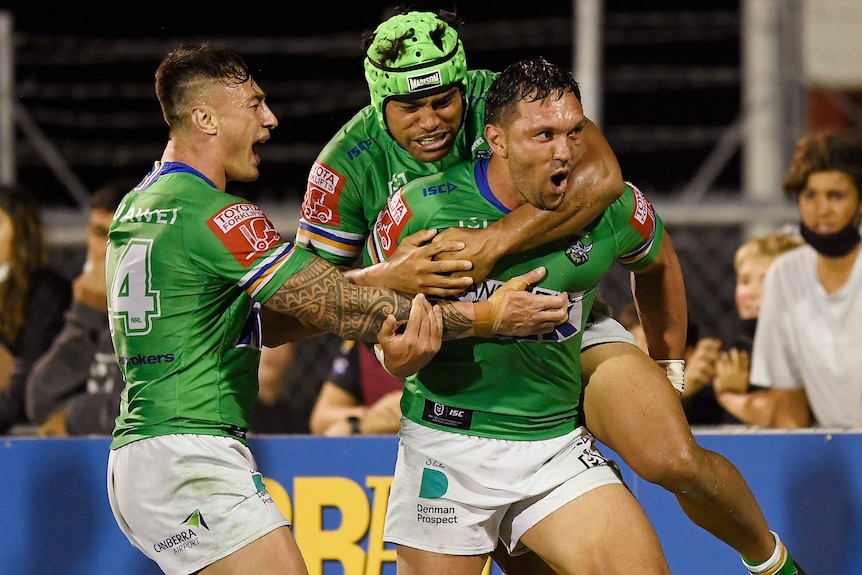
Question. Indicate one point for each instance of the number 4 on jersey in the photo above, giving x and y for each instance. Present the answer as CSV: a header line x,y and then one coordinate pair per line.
x,y
132,299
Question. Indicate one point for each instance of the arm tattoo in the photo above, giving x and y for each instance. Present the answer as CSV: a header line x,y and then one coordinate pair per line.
x,y
455,324
320,295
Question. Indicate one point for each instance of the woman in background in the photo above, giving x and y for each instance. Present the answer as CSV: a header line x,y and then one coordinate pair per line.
x,y
32,299
806,347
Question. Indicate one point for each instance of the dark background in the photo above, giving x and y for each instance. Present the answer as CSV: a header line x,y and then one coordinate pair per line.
x,y
86,77
671,82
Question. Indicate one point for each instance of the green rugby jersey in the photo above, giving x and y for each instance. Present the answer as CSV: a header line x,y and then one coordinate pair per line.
x,y
506,388
361,166
188,268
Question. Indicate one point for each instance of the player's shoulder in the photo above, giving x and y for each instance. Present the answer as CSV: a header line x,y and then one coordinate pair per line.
x,y
632,209
356,135
180,188
359,144
440,184
478,82
480,79
629,200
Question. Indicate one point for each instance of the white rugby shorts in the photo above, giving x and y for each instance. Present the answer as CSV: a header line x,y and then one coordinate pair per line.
x,y
458,494
602,328
187,501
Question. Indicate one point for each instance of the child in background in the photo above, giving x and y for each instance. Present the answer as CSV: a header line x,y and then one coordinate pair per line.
x,y
709,363
752,260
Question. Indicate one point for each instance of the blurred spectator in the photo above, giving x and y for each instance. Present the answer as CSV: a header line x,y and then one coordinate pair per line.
x,y
806,346
358,396
74,388
628,318
701,355
275,362
728,366
709,363
291,376
751,262
33,298
271,411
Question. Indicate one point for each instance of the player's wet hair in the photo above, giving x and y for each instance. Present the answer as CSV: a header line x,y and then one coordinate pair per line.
x,y
188,65
530,80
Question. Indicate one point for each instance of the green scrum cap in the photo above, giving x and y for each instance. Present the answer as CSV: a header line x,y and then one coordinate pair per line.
x,y
422,67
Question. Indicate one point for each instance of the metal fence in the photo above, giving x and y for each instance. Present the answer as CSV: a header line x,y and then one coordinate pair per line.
x,y
85,112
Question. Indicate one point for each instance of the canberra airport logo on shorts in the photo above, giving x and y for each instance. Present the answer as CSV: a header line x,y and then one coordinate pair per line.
x,y
185,539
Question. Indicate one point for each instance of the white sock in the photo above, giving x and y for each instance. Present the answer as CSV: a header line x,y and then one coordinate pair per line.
x,y
775,561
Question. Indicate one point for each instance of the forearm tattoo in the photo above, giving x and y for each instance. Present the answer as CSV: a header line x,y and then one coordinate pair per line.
x,y
320,295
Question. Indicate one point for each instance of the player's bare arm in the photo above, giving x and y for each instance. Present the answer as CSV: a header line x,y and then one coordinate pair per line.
x,y
319,295
416,267
278,328
659,294
594,185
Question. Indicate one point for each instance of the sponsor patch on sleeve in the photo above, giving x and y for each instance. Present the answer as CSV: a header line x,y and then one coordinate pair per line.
x,y
245,231
322,194
643,218
392,222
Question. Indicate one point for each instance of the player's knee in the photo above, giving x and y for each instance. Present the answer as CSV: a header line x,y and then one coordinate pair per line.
x,y
676,470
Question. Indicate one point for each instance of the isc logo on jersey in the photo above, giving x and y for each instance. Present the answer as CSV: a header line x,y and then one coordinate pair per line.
x,y
322,195
643,218
245,231
391,223
444,188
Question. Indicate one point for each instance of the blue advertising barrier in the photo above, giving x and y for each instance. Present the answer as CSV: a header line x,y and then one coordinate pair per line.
x,y
55,516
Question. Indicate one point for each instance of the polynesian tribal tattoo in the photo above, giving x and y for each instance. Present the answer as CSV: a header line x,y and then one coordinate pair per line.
x,y
321,296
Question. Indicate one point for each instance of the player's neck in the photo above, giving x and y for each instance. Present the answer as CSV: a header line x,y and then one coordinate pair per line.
x,y
501,184
205,163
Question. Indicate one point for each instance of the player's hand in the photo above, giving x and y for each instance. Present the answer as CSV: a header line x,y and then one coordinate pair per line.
x,y
514,312
731,372
406,353
416,267
480,247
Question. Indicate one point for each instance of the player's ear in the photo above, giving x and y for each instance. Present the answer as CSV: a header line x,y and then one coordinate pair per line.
x,y
495,136
205,119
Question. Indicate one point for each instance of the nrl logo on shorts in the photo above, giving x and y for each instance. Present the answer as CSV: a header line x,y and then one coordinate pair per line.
x,y
578,253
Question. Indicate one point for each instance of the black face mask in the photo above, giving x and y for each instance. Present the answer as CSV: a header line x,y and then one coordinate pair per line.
x,y
832,245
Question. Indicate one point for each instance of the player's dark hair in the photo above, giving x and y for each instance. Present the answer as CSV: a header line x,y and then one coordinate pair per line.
x,y
186,65
530,80
367,36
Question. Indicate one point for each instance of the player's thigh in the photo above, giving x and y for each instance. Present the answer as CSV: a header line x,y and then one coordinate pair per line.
x,y
276,553
631,407
411,561
603,532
